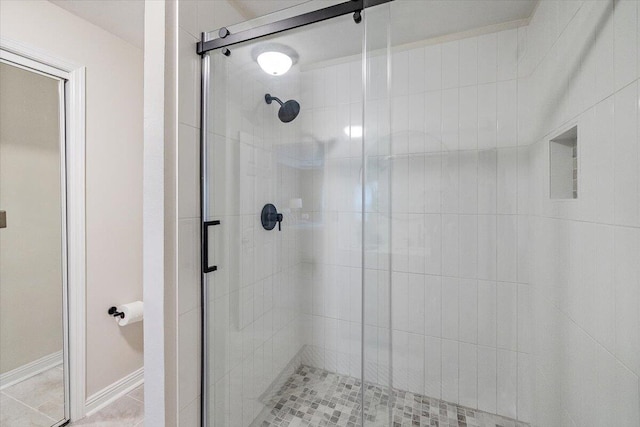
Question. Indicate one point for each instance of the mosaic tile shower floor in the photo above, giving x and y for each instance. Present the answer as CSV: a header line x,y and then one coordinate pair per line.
x,y
314,397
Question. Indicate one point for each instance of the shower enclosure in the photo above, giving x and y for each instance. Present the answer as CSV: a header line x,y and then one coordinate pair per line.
x,y
401,220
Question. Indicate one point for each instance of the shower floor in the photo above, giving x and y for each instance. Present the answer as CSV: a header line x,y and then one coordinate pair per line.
x,y
315,397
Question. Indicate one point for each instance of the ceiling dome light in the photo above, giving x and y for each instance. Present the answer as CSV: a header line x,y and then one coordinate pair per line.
x,y
274,63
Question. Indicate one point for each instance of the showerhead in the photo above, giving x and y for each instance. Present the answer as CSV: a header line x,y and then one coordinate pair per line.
x,y
288,110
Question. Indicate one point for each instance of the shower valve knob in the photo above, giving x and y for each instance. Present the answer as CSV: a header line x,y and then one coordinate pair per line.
x,y
270,216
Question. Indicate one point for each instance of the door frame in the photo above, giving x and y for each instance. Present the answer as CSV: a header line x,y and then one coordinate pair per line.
x,y
73,181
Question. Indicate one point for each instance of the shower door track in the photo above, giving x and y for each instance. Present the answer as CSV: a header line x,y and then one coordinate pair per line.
x,y
228,39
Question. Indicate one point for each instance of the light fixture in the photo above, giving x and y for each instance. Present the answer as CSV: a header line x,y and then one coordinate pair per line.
x,y
353,131
274,63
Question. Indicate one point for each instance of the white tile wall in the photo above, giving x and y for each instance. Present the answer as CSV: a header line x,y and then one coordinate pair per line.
x,y
583,285
455,229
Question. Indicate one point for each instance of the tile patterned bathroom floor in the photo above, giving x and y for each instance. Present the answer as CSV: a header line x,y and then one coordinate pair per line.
x,y
39,402
36,402
126,411
315,397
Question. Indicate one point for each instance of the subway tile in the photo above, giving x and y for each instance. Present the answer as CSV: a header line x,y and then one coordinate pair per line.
x,y
450,308
468,375
626,170
433,120
507,383
507,181
433,367
433,306
468,306
188,350
468,61
450,245
626,410
417,70
507,54
450,182
487,181
487,313
487,379
468,182
507,316
189,82
416,304
433,67
627,296
415,363
416,178
507,109
468,118
604,50
450,371
468,230
507,248
188,264
188,175
525,390
450,65
487,116
487,247
416,126
188,17
400,301
525,319
450,119
432,244
625,20
487,58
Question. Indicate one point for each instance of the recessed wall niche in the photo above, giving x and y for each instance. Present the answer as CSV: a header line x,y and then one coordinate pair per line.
x,y
563,162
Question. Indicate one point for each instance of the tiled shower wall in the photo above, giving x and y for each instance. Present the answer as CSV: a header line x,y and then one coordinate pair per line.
x,y
331,100
460,298
460,294
580,67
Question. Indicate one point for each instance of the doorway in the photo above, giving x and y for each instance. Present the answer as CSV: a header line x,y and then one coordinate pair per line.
x,y
34,367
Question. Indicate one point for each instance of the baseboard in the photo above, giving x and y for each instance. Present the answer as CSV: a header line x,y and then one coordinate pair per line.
x,y
113,392
30,369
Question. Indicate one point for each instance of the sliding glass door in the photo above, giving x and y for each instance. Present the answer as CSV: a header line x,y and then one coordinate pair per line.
x,y
284,180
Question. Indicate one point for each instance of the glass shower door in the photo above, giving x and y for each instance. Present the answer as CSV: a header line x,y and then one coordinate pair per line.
x,y
283,187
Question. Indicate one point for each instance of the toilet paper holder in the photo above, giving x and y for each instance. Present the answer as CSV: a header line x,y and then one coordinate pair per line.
x,y
113,311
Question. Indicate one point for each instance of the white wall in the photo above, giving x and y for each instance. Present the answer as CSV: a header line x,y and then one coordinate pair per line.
x,y
580,67
114,173
30,193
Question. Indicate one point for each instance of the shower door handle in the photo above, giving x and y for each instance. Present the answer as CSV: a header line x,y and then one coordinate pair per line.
x,y
3,219
206,268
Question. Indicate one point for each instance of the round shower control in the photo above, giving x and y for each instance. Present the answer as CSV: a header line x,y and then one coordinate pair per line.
x,y
270,217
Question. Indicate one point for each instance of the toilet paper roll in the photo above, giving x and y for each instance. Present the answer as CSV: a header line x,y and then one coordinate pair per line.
x,y
133,313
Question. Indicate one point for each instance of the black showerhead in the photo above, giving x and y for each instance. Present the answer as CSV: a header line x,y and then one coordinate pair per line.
x,y
288,110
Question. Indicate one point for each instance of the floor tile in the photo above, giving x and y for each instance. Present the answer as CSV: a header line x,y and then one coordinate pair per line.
x,y
137,393
125,411
314,397
17,414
